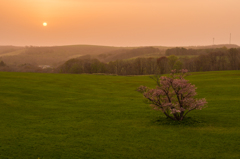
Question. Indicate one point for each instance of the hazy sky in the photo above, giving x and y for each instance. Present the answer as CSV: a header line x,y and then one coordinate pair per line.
x,y
119,22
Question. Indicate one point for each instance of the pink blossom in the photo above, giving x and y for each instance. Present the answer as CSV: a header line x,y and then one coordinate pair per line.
x,y
175,95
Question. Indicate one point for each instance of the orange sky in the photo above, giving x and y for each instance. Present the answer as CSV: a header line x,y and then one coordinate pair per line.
x,y
119,22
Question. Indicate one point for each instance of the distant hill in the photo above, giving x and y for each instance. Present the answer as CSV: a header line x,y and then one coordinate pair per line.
x,y
129,53
57,55
49,55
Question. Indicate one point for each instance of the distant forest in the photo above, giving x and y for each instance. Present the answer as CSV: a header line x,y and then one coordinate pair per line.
x,y
220,59
134,61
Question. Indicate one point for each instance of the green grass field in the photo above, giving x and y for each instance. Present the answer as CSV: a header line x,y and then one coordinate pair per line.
x,y
53,116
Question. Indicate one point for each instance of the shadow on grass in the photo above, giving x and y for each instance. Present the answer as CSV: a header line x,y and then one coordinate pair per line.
x,y
188,121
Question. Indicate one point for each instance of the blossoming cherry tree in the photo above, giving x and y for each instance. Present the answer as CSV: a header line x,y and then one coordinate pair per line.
x,y
174,96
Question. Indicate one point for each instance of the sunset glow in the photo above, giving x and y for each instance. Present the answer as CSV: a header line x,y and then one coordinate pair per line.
x,y
44,24
120,22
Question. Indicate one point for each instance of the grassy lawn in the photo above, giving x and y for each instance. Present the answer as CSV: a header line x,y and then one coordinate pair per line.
x,y
53,116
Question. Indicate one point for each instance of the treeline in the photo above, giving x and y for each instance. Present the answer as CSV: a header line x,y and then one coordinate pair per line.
x,y
137,66
214,61
183,51
26,67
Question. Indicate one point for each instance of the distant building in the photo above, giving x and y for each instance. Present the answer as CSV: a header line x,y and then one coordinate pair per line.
x,y
44,66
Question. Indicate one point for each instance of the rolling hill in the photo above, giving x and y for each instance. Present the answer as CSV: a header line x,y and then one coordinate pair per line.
x,y
57,55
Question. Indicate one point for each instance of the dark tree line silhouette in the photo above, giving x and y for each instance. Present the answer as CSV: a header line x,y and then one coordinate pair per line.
x,y
214,61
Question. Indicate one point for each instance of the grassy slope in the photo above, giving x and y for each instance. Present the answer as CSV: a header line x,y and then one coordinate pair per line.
x,y
6,49
96,116
13,53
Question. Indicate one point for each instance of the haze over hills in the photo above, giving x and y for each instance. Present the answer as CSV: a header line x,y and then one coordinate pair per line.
x,y
48,55
56,55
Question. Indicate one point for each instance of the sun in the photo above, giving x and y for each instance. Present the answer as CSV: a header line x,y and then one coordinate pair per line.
x,y
45,24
